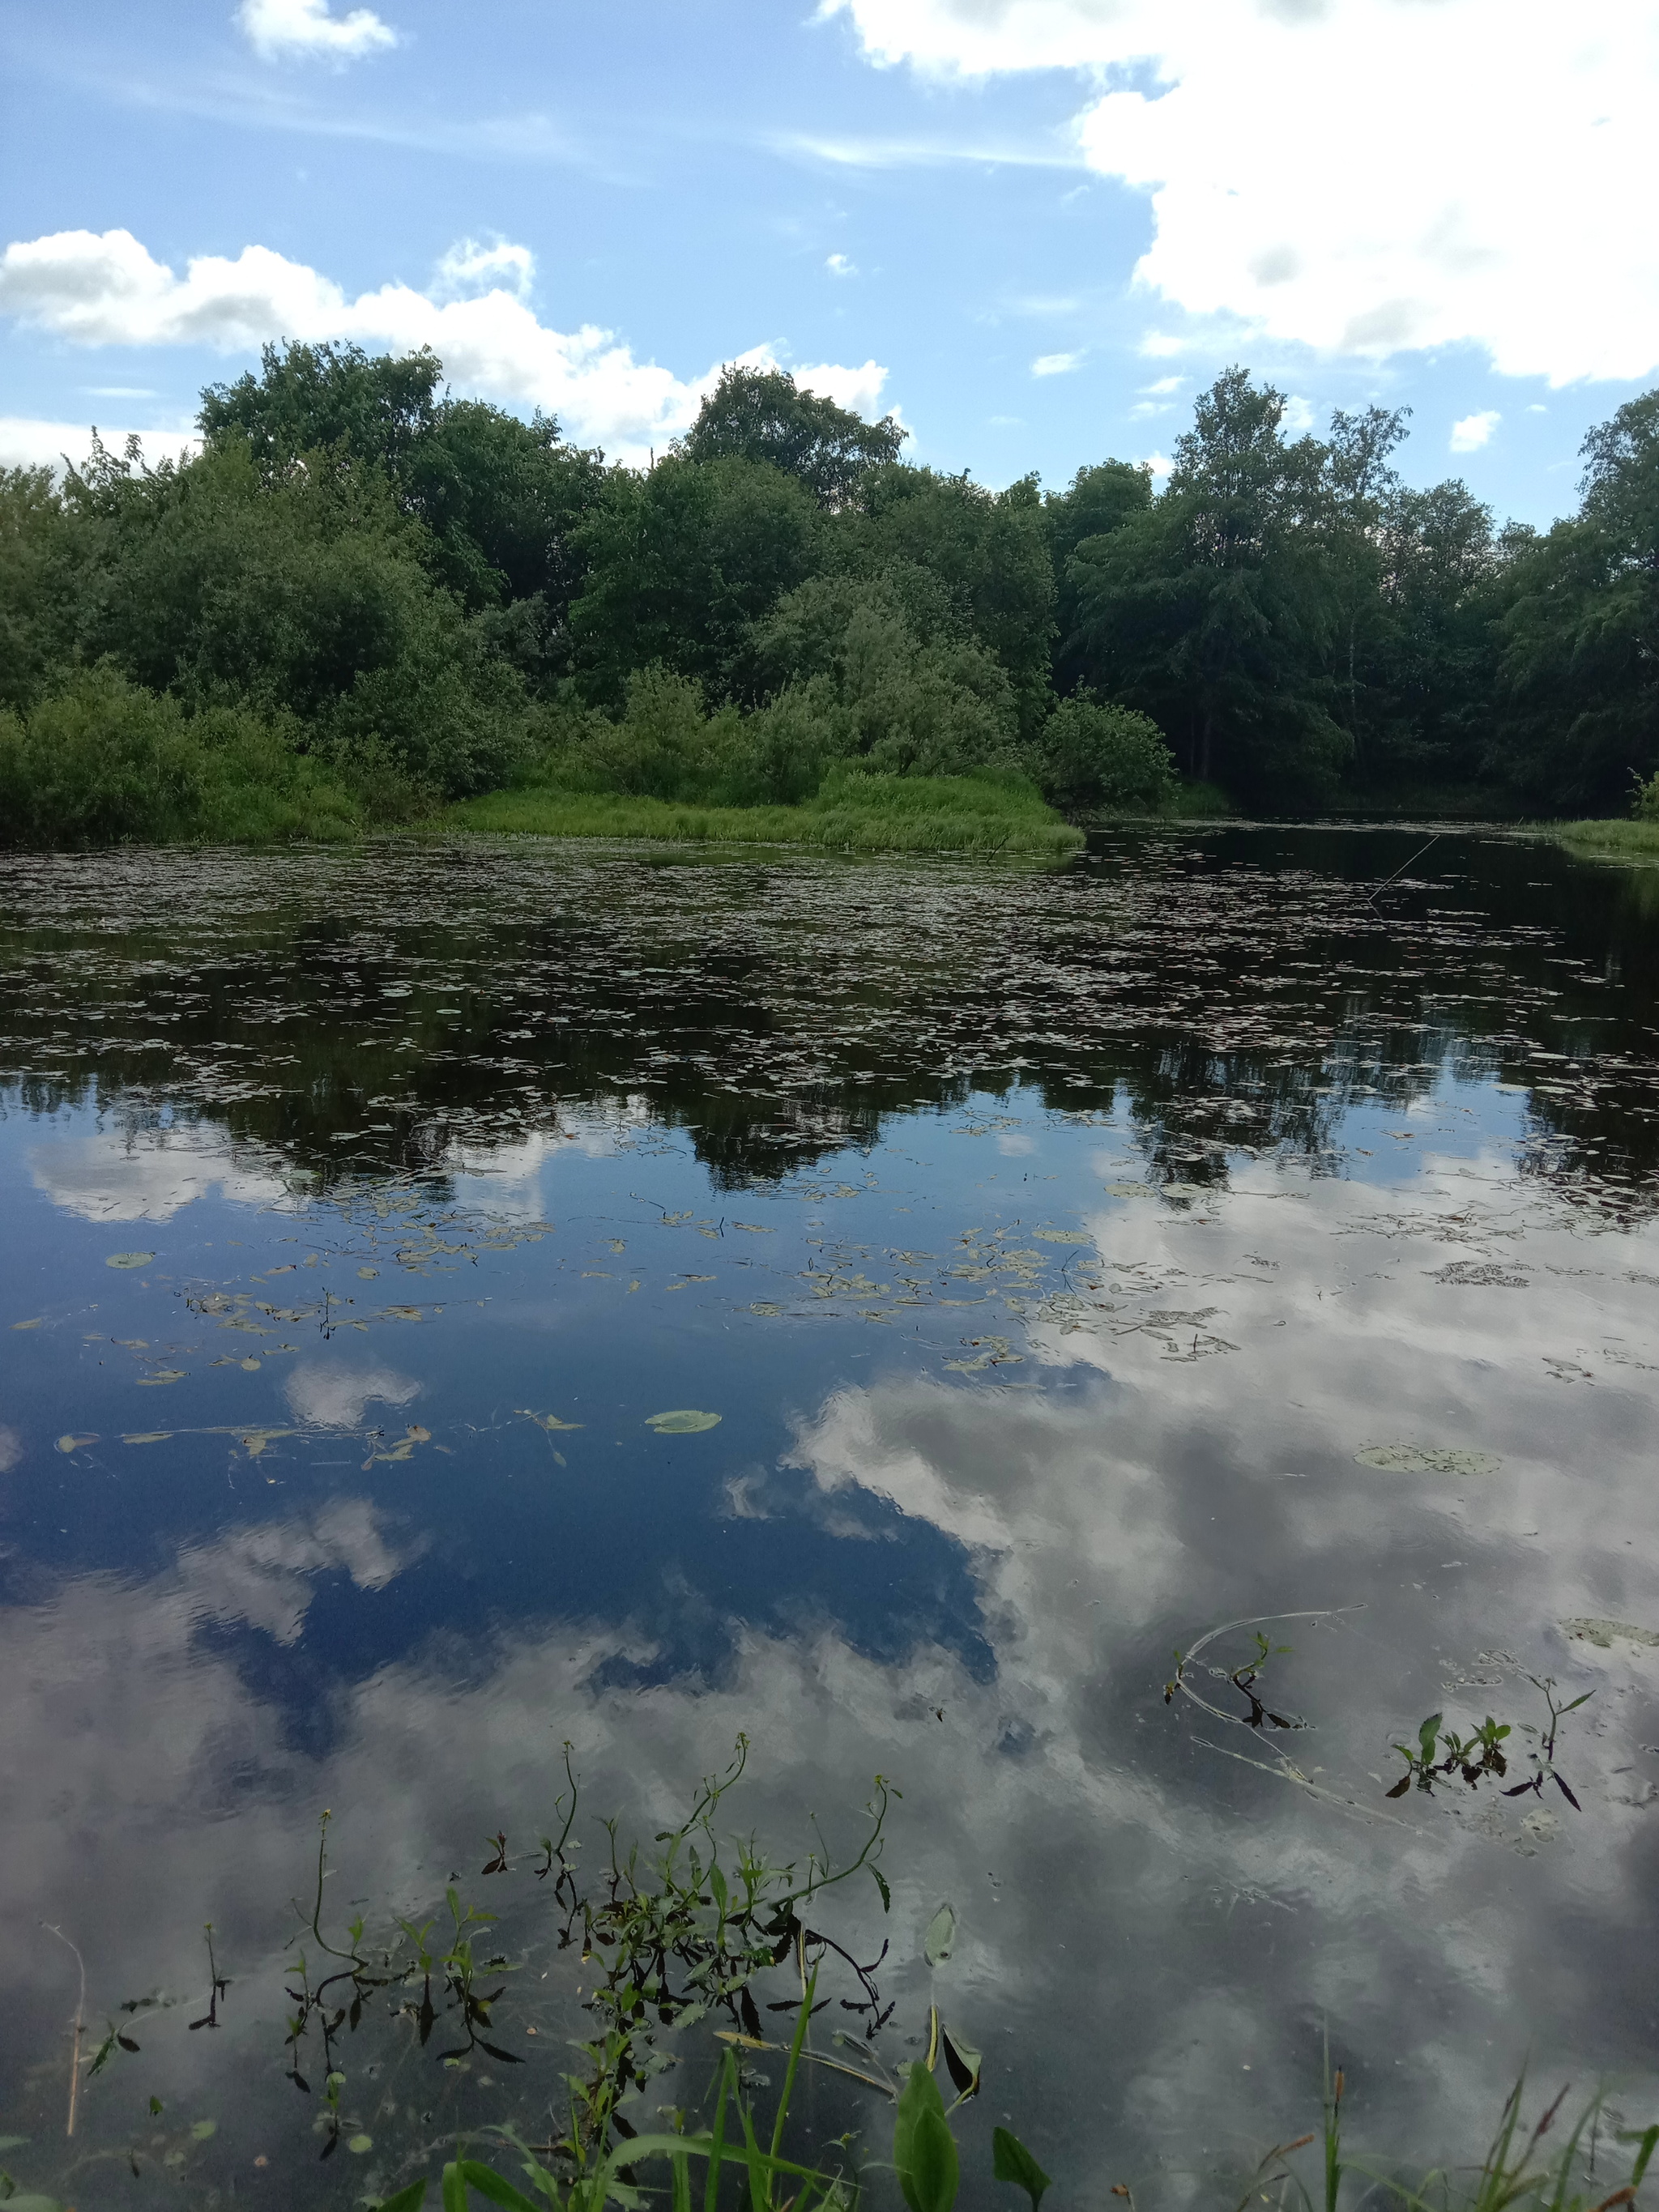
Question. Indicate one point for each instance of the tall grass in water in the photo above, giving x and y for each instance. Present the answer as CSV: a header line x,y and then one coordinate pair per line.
x,y
1618,840
683,1937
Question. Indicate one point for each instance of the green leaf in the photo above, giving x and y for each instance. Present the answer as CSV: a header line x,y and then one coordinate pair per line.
x,y
358,2144
886,1893
935,2172
965,2063
684,1421
1427,1732
407,2199
940,1939
129,1259
919,2096
495,2187
1011,2162
202,2129
454,2190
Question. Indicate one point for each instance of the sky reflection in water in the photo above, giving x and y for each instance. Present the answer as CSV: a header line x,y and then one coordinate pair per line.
x,y
1047,1244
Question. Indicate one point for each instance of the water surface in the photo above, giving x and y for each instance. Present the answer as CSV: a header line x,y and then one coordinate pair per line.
x,y
1079,1261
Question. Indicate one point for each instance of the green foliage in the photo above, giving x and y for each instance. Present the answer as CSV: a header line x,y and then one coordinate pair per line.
x,y
101,761
429,598
1096,756
1580,682
681,561
763,415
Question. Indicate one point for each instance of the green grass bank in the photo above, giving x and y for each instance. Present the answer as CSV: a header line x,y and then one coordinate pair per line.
x,y
1618,840
862,813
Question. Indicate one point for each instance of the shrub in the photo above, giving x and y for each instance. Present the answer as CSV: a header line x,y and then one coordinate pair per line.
x,y
1095,755
102,762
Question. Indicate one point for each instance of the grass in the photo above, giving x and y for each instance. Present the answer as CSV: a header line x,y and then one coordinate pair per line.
x,y
1620,840
864,813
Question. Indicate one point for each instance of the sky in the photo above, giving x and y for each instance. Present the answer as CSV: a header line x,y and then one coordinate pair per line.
x,y
1035,229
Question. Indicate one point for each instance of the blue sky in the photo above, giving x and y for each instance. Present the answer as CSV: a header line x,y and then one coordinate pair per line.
x,y
1034,227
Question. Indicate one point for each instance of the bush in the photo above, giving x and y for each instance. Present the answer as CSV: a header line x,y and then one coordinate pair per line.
x,y
101,761
1097,756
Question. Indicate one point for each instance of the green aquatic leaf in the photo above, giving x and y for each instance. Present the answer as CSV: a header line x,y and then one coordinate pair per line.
x,y
924,2149
167,1375
73,1442
684,1421
549,1421
149,1437
202,2129
1128,1190
1062,1236
35,1323
359,2144
1011,2162
1420,1459
129,1259
941,1937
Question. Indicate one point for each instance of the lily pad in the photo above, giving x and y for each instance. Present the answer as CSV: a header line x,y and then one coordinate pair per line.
x,y
1062,1236
35,1323
1420,1458
358,2144
74,1443
149,1437
129,1259
169,1375
1604,1634
202,2129
941,1937
684,1421
1128,1190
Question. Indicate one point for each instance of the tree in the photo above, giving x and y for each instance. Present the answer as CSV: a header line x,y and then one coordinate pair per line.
x,y
1211,609
989,549
681,561
764,414
1097,501
1579,662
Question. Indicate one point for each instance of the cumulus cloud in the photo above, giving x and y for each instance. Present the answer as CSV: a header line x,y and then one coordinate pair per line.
x,y
328,1394
39,441
839,264
281,30
1475,430
1056,364
1363,176
150,1174
106,288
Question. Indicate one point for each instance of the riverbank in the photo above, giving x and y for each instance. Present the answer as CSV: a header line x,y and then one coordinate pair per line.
x,y
1618,840
885,813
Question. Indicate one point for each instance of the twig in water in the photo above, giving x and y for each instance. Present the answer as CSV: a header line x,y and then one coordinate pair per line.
x,y
79,2028
1399,872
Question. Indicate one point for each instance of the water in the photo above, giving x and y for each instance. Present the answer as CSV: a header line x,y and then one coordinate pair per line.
x,y
1077,1260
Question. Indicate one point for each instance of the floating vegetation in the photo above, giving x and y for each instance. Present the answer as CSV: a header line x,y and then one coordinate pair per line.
x,y
129,1259
1442,1754
684,1421
1604,1634
1426,1459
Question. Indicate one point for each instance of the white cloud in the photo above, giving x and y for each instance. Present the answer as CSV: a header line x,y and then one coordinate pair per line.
x,y
1165,385
1475,430
1361,176
35,441
327,1395
304,29
1056,364
148,1175
1157,465
838,265
469,268
108,289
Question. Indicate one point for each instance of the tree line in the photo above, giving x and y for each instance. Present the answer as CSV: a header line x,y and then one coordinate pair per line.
x,y
363,595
